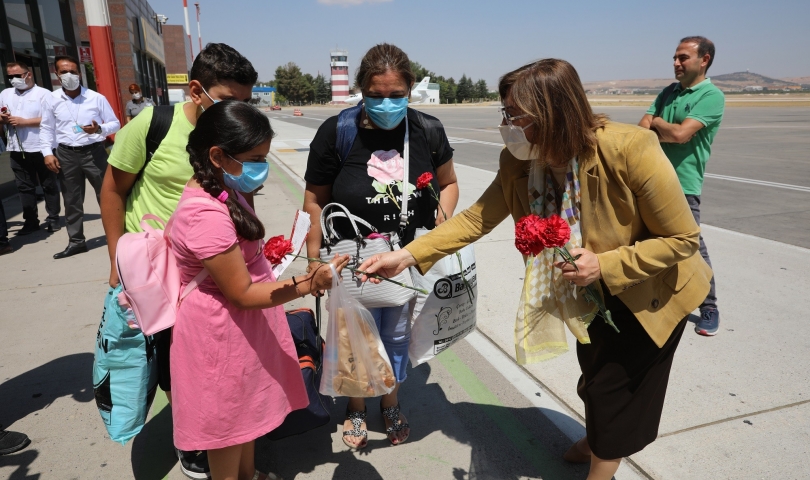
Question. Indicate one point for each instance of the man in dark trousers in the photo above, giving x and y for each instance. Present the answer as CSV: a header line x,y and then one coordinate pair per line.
x,y
78,121
21,113
686,116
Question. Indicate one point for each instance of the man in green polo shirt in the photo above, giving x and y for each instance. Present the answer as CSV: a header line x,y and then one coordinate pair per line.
x,y
686,116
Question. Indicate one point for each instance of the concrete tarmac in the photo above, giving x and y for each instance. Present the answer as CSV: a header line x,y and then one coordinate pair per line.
x,y
758,177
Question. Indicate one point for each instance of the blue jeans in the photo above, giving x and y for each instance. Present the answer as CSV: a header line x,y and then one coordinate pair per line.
x,y
394,325
711,298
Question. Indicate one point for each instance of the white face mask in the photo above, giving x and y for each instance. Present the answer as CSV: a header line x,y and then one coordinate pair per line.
x,y
137,96
515,140
70,81
19,83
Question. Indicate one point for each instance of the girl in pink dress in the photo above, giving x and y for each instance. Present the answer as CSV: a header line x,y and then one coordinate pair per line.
x,y
235,372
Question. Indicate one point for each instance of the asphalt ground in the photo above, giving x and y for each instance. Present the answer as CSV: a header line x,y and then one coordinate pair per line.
x,y
758,177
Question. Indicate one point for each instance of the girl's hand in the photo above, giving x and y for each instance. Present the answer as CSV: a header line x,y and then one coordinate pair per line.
x,y
588,264
387,264
321,274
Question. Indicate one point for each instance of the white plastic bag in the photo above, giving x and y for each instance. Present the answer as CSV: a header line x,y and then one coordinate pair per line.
x,y
447,313
355,363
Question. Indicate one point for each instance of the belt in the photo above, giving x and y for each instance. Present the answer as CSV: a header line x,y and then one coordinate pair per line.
x,y
80,148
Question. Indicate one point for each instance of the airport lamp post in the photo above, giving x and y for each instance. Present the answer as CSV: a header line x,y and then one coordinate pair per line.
x,y
188,30
199,35
105,68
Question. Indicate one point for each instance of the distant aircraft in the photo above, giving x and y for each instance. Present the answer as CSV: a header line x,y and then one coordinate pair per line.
x,y
418,94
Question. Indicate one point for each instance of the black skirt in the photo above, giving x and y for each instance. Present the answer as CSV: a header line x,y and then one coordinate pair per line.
x,y
624,382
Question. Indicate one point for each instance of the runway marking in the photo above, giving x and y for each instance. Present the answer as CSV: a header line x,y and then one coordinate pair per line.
x,y
469,140
763,183
487,130
766,126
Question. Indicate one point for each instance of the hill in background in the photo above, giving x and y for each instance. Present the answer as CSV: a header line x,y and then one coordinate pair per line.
x,y
729,82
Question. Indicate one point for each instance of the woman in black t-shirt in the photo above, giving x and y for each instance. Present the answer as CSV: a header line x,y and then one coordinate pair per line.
x,y
370,183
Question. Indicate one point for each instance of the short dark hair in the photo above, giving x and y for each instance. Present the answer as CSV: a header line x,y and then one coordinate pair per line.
x,y
22,65
218,62
380,59
704,46
66,58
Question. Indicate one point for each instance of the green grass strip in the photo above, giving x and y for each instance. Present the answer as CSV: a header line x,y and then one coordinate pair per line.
x,y
294,189
529,446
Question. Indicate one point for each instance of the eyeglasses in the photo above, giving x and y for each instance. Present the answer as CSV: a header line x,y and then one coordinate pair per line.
x,y
509,119
17,75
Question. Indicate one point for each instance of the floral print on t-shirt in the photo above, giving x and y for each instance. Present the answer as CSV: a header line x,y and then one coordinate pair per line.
x,y
386,167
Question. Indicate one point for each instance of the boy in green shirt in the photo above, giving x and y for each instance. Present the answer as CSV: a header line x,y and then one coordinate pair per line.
x,y
686,116
129,190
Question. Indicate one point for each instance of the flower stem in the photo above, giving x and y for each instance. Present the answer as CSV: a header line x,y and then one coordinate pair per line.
x,y
591,294
371,275
391,194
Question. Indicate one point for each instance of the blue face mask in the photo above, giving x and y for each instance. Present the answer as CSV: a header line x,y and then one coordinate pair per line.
x,y
386,113
253,176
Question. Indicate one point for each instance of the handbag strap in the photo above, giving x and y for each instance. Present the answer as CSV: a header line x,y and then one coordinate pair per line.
x,y
328,229
358,220
406,151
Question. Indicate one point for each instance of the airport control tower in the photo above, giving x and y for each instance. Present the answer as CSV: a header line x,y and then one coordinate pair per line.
x,y
339,61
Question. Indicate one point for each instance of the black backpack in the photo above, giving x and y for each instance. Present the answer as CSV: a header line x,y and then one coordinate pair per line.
x,y
347,126
158,128
305,329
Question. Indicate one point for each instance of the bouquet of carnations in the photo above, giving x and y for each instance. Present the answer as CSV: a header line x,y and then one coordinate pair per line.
x,y
533,234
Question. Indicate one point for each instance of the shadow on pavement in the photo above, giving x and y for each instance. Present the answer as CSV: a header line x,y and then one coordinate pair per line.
x,y
22,461
507,443
38,388
153,449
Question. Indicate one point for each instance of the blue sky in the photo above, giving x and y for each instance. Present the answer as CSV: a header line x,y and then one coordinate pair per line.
x,y
486,38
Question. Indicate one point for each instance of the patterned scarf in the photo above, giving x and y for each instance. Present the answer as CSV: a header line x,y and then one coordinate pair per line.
x,y
548,302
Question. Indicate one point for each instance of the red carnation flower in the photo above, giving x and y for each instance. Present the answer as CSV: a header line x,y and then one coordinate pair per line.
x,y
4,110
424,180
556,233
276,249
529,235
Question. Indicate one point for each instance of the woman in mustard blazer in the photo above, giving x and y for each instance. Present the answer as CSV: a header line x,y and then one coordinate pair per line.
x,y
634,236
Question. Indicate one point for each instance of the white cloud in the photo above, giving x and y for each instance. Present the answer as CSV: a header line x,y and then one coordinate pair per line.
x,y
349,3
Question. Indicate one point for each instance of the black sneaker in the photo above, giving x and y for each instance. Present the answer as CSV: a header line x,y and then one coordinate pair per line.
x,y
709,322
194,464
11,442
6,248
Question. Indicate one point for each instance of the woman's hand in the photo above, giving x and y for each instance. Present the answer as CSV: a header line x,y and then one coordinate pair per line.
x,y
321,275
387,264
588,264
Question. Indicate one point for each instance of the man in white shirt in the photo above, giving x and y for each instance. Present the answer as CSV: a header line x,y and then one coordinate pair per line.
x,y
20,113
77,121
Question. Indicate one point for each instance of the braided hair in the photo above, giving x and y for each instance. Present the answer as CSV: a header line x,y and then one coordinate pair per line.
x,y
235,127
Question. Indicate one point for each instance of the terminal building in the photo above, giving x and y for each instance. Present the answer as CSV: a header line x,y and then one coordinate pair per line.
x,y
263,96
339,62
34,32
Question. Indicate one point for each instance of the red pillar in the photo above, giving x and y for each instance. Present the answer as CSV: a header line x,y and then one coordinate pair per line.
x,y
106,70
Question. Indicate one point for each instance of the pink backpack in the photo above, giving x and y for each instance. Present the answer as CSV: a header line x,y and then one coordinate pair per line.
x,y
149,276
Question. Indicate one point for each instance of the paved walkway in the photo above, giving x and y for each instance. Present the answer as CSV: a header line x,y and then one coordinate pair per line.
x,y
737,405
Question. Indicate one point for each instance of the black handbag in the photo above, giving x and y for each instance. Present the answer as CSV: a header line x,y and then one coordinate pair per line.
x,y
306,333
